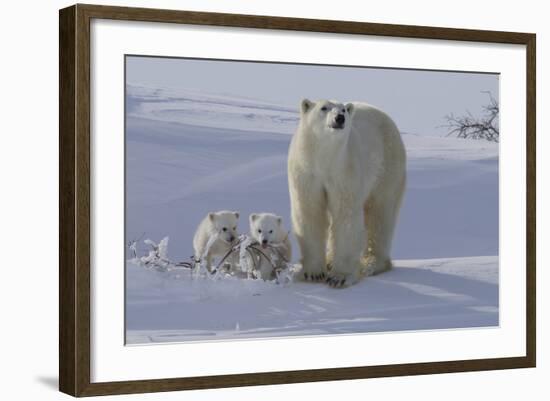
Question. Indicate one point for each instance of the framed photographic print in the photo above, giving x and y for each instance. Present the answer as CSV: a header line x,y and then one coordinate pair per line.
x,y
250,200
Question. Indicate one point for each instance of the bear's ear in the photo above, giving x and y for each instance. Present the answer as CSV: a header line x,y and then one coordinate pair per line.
x,y
211,216
349,108
306,105
253,217
279,220
236,214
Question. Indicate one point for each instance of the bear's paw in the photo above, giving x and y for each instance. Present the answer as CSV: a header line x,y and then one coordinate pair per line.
x,y
313,276
342,280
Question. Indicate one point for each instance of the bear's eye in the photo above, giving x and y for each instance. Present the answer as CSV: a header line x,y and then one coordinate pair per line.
x,y
271,231
224,229
324,108
259,231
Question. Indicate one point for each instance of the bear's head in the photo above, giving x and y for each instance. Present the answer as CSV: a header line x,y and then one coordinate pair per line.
x,y
324,116
224,223
266,228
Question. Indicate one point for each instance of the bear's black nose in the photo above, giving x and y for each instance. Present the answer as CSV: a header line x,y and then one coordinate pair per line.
x,y
264,241
231,239
340,119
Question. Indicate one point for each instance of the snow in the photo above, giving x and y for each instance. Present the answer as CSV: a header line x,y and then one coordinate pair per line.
x,y
210,110
188,153
415,295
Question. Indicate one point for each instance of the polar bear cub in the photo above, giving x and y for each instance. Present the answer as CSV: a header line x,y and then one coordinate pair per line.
x,y
346,173
215,236
267,230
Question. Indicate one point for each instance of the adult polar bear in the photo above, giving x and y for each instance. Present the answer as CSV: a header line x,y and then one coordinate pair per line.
x,y
346,172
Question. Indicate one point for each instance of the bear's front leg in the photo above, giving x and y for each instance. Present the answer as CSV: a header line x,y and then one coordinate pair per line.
x,y
266,270
348,237
310,223
208,262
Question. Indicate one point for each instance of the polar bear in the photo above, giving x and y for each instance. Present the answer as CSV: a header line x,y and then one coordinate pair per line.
x,y
267,230
346,173
215,236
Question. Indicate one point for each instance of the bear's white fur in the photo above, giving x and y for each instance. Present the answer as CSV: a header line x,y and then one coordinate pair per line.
x,y
267,229
214,236
346,181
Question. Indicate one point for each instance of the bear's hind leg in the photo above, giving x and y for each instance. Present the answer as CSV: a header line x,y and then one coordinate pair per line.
x,y
380,221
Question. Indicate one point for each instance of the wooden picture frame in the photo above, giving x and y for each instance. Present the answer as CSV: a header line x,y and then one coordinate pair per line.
x,y
74,199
